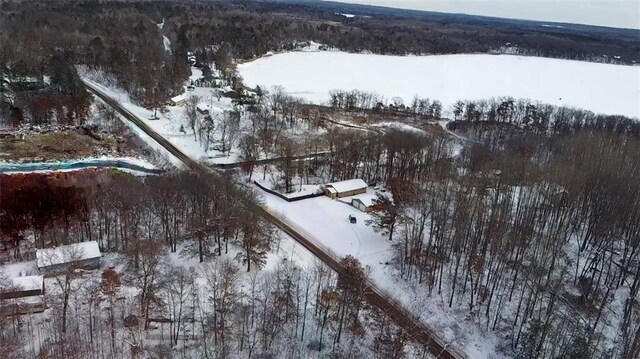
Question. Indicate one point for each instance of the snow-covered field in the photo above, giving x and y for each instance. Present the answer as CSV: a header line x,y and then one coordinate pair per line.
x,y
601,88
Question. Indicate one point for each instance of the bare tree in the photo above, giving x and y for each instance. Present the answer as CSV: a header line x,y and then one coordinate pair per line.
x,y
178,291
255,240
191,112
146,274
66,262
229,130
222,282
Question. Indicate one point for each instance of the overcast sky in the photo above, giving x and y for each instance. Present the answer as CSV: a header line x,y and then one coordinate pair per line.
x,y
613,13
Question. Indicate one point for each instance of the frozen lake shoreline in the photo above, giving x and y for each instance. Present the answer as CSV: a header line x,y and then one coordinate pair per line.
x,y
601,88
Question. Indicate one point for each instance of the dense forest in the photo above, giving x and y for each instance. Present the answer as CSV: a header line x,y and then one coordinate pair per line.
x,y
528,219
535,232
152,224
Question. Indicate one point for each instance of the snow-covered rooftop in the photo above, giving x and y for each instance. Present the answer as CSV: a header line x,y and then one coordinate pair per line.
x,y
365,198
206,107
66,254
27,283
348,185
179,98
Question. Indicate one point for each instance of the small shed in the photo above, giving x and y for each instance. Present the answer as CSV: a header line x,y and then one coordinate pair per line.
x,y
345,188
330,192
23,295
203,109
85,255
361,204
178,100
21,287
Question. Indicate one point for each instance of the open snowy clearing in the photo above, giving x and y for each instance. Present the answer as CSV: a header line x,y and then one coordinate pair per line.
x,y
601,88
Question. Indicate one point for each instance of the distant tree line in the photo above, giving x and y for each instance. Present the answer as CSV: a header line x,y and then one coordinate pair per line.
x,y
497,119
277,27
124,40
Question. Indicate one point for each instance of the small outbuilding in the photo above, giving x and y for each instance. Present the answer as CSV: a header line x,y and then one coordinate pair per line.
x,y
361,204
203,109
345,188
26,286
178,100
23,295
85,255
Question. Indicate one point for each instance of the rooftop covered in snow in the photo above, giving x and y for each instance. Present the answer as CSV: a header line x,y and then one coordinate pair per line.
x,y
67,254
180,98
348,185
22,287
28,283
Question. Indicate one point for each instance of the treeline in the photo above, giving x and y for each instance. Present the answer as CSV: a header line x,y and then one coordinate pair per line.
x,y
507,114
253,28
27,97
43,41
356,100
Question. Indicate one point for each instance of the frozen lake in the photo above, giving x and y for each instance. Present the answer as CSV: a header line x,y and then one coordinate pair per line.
x,y
601,88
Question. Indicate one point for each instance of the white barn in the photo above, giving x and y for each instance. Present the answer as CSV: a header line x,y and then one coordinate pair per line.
x,y
346,188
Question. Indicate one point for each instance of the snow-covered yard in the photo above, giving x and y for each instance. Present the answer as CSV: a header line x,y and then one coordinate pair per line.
x,y
601,88
327,220
169,123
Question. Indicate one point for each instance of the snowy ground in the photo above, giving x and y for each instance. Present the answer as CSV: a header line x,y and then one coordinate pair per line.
x,y
173,119
400,127
601,88
168,124
327,222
